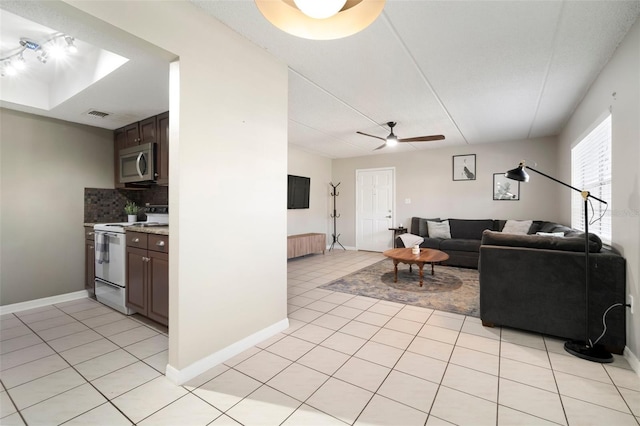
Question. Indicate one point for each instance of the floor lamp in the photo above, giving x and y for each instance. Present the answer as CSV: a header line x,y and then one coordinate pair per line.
x,y
582,349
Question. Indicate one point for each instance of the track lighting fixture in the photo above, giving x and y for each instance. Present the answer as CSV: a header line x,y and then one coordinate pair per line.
x,y
56,46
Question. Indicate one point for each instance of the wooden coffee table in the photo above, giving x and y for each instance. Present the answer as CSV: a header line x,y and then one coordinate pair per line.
x,y
404,255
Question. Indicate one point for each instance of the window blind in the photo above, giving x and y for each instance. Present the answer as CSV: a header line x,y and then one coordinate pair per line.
x,y
591,171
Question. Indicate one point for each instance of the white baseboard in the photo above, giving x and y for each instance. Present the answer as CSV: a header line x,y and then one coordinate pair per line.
x,y
632,360
37,303
182,376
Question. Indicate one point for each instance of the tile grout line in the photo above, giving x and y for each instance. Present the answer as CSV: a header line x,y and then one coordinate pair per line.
x,y
75,387
109,400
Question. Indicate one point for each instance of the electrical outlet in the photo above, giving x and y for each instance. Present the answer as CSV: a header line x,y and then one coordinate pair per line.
x,y
631,304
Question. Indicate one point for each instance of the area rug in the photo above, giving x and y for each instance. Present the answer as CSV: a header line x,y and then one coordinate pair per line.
x,y
451,289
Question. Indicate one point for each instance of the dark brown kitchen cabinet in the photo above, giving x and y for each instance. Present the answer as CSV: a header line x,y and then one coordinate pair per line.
x,y
162,159
148,275
119,142
89,260
131,135
144,131
148,130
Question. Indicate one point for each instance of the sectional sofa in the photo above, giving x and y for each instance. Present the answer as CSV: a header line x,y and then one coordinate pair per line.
x,y
537,282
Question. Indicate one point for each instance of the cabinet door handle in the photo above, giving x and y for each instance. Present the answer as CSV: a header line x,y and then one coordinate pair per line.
x,y
160,243
91,247
89,233
136,240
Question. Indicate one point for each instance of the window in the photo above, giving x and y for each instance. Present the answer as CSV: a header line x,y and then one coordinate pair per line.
x,y
591,171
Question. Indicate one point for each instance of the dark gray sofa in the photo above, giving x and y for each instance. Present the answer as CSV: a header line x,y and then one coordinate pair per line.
x,y
537,283
464,246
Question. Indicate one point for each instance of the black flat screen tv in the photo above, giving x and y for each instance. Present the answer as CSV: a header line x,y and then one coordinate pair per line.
x,y
298,192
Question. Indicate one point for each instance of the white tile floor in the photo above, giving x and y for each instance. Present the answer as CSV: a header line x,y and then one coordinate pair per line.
x,y
344,360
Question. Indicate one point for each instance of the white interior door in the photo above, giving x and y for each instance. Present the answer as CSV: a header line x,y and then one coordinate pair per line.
x,y
375,189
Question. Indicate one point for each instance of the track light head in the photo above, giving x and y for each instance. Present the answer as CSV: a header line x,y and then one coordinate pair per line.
x,y
43,56
71,47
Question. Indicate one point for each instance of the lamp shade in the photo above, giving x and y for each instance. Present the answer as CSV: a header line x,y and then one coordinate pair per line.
x,y
518,174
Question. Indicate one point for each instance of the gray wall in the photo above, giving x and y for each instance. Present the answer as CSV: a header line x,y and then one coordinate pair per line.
x,y
315,218
45,164
426,178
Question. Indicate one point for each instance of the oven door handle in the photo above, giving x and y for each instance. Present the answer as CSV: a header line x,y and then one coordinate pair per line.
x,y
108,283
107,234
138,169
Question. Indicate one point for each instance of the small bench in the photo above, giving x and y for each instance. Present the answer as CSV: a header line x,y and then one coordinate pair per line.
x,y
303,244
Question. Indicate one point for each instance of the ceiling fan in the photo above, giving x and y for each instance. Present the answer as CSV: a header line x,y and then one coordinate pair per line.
x,y
392,139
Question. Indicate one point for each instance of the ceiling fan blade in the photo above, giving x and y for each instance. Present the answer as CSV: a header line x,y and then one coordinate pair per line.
x,y
381,146
423,138
372,136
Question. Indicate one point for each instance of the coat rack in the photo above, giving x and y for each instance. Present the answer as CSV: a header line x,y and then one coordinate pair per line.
x,y
335,235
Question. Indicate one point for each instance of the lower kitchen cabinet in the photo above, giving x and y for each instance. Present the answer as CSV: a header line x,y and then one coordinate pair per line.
x,y
148,275
89,260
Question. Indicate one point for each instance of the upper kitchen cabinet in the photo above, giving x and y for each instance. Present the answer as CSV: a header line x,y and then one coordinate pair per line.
x,y
119,142
148,130
162,158
144,131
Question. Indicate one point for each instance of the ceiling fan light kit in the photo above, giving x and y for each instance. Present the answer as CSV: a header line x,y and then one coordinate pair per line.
x,y
295,17
393,140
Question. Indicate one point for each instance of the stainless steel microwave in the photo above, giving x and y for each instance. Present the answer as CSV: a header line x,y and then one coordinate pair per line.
x,y
138,164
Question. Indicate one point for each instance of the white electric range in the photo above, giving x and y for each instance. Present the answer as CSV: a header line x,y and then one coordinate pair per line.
x,y
111,256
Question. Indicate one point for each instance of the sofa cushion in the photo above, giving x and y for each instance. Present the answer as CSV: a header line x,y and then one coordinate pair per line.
x,y
553,227
460,244
439,229
540,242
432,243
419,226
517,227
469,229
536,226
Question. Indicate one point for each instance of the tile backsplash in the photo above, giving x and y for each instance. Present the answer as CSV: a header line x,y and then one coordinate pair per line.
x,y
107,205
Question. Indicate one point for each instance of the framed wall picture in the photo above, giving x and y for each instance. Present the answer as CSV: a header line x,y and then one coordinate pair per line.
x,y
464,167
505,189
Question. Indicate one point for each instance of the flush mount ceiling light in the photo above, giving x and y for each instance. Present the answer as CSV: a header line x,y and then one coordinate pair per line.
x,y
334,19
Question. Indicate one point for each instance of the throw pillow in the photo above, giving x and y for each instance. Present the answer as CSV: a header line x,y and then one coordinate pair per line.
x,y
439,229
551,234
517,227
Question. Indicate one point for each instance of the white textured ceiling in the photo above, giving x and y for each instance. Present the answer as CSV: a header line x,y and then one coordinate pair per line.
x,y
474,71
